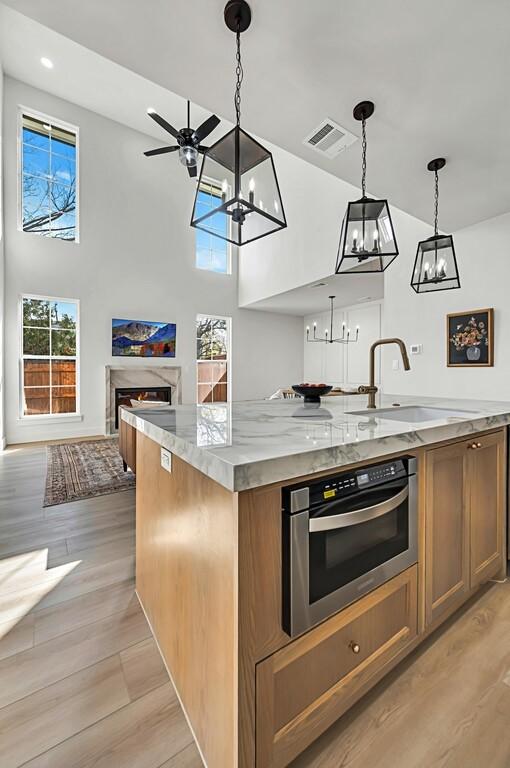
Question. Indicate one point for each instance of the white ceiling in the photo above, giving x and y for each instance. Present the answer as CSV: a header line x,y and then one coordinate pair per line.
x,y
313,298
90,80
436,70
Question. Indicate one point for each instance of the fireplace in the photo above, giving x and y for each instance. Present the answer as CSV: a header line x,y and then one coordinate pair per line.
x,y
124,395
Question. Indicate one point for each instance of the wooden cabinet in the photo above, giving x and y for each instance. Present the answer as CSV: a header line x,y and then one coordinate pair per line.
x,y
303,688
446,529
486,483
127,445
464,520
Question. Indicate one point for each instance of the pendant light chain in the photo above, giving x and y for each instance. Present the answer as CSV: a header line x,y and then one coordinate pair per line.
x,y
239,76
436,203
363,156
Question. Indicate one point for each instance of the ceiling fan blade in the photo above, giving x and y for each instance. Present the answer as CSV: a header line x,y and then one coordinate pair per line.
x,y
205,129
164,124
160,151
192,170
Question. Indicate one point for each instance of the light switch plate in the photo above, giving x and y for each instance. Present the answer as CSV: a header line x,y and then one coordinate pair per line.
x,y
396,365
166,460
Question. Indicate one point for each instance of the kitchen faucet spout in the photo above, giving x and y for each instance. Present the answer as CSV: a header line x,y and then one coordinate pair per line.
x,y
371,390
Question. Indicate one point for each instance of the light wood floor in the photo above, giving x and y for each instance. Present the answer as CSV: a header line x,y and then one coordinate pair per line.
x,y
82,684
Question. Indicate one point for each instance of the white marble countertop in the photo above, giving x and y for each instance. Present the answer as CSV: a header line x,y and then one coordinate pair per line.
x,y
249,444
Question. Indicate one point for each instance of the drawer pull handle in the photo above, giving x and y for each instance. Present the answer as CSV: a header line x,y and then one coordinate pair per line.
x,y
478,445
354,647
473,446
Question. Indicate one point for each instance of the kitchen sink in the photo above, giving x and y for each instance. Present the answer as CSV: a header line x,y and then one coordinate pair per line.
x,y
414,413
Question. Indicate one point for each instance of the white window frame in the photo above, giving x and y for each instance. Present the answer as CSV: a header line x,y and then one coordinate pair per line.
x,y
228,359
216,183
58,124
48,416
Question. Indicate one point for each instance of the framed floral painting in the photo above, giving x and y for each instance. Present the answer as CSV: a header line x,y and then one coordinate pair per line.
x,y
470,338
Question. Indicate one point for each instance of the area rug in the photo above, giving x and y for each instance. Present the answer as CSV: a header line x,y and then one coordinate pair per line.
x,y
83,470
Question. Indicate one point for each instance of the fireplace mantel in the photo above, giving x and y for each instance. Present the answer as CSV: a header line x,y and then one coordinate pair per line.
x,y
133,376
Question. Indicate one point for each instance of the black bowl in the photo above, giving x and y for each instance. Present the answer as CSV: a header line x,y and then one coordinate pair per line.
x,y
311,394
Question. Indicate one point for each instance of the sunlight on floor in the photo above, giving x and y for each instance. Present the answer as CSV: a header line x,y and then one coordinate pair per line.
x,y
24,581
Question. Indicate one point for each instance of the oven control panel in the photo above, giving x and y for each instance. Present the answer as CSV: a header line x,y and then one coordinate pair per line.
x,y
379,474
298,497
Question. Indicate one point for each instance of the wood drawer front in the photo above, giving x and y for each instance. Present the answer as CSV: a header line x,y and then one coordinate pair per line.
x,y
307,685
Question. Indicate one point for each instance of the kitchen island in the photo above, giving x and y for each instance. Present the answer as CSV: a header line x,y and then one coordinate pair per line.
x,y
211,555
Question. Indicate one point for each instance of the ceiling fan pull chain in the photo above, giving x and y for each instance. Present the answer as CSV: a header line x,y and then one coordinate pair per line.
x,y
239,75
363,156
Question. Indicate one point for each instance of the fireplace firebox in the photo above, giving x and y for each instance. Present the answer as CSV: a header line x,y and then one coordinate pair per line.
x,y
124,395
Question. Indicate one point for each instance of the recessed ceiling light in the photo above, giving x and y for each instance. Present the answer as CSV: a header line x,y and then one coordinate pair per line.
x,y
47,62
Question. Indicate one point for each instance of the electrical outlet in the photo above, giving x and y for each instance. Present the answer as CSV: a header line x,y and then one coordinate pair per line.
x,y
396,365
166,460
416,349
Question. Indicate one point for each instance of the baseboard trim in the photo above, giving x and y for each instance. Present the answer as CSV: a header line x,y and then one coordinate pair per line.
x,y
44,435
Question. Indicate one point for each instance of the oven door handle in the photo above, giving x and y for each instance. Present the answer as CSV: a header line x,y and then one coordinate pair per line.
x,y
318,524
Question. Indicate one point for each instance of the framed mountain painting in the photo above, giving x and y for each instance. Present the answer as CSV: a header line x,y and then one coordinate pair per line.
x,y
470,338
143,338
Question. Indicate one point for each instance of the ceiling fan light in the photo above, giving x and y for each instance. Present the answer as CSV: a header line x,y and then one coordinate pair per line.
x,y
188,156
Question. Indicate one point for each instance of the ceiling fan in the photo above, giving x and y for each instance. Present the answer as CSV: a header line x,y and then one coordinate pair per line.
x,y
188,140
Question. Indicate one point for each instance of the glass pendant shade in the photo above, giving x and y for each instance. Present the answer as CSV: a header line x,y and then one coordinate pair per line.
x,y
367,240
248,204
435,266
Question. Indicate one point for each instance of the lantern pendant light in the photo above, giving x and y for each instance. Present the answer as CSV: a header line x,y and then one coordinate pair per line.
x,y
245,198
367,240
435,266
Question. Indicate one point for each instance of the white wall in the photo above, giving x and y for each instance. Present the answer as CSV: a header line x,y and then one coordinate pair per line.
x,y
483,254
342,364
304,252
135,260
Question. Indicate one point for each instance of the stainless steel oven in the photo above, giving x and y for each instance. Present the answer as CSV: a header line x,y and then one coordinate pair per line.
x,y
345,535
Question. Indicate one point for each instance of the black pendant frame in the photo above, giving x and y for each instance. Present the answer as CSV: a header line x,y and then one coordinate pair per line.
x,y
434,245
430,278
365,261
233,157
372,216
230,152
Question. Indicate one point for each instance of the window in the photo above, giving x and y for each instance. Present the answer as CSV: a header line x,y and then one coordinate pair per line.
x,y
213,363
212,253
48,177
49,352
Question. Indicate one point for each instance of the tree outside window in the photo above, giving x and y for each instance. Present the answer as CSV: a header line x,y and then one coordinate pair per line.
x,y
49,336
48,179
213,373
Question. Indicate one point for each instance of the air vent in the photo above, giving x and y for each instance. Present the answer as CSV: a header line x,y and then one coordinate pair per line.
x,y
329,138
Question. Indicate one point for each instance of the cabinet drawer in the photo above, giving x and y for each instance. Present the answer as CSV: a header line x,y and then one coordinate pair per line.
x,y
307,685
